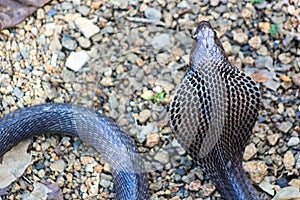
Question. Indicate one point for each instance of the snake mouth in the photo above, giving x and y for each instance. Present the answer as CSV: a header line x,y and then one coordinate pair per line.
x,y
204,31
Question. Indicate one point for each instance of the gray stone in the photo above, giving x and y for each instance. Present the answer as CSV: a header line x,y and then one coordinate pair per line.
x,y
267,187
260,61
76,60
272,85
184,39
214,2
133,2
261,5
18,93
188,178
86,27
162,156
285,58
58,165
113,102
39,192
162,58
67,76
49,29
66,5
133,35
263,50
24,54
161,41
105,183
120,3
285,126
184,5
108,29
288,38
106,177
149,128
76,2
289,192
156,186
296,79
84,42
152,13
68,43
293,141
84,10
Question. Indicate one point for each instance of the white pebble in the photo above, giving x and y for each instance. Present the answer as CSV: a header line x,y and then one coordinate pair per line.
x,y
76,60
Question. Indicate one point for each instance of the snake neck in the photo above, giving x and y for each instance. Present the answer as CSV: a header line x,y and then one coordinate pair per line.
x,y
234,183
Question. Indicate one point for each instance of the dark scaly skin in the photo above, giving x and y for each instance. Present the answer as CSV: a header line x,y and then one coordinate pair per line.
x,y
213,112
116,147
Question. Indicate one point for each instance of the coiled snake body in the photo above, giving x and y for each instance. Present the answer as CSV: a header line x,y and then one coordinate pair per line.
x,y
117,148
212,114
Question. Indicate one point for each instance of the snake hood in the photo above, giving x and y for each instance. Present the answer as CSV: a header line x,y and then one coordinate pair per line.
x,y
212,114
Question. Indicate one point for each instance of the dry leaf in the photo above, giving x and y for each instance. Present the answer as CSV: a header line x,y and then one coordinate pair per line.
x,y
14,163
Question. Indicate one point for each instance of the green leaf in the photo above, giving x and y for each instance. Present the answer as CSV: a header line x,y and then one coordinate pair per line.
x,y
257,1
157,98
274,29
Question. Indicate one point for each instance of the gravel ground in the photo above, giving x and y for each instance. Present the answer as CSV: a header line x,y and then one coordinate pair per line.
x,y
125,58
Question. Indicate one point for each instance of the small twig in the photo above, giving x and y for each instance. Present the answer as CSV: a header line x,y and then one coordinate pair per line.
x,y
143,20
177,16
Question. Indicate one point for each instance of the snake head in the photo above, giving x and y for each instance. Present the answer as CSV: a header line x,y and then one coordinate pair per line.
x,y
207,45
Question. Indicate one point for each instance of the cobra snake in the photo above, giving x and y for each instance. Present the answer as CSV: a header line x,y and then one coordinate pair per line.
x,y
211,114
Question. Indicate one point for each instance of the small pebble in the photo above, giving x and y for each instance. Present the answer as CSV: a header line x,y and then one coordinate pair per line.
x,y
272,139
293,141
58,165
152,140
256,169
162,156
282,182
289,160
195,185
250,151
76,60
255,42
144,115
287,193
68,43
161,41
152,13
296,79
86,27
295,183
208,189
240,37
285,127
84,43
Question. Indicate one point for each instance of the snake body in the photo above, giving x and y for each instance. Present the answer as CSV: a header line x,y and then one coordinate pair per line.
x,y
117,148
213,112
